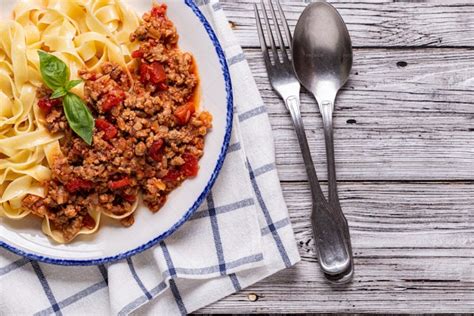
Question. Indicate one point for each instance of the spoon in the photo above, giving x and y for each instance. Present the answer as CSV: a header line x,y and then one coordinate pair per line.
x,y
322,60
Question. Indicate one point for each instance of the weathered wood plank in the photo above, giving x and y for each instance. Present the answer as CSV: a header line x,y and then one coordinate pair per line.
x,y
391,123
378,23
413,246
405,114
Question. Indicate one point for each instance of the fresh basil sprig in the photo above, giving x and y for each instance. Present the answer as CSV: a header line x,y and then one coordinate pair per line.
x,y
55,75
71,84
54,71
59,92
79,117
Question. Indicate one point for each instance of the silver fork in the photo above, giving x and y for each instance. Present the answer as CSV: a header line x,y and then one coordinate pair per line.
x,y
331,245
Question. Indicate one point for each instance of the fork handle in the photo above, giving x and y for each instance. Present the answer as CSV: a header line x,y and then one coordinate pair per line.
x,y
293,106
331,244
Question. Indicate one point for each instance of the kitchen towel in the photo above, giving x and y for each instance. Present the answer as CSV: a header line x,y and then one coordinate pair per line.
x,y
240,235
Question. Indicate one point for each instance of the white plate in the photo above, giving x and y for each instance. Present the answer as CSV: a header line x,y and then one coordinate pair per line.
x,y
112,242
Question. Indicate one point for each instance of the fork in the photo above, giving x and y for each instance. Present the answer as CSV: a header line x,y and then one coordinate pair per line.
x,y
331,245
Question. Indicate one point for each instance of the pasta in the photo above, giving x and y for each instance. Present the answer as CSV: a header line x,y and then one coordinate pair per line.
x,y
84,34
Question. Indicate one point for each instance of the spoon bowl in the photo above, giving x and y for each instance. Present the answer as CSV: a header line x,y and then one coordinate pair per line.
x,y
322,51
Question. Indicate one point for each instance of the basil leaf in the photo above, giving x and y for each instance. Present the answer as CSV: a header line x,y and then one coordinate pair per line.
x,y
71,84
54,71
79,117
59,92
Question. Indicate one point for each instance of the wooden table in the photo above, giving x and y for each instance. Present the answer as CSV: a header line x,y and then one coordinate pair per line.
x,y
404,138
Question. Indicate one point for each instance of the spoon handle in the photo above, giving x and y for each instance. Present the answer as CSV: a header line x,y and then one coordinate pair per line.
x,y
326,108
331,244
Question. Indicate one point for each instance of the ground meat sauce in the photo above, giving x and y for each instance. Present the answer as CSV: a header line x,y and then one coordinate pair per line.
x,y
148,135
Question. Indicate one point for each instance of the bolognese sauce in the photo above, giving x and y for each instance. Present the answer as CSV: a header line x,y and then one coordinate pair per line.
x,y
148,137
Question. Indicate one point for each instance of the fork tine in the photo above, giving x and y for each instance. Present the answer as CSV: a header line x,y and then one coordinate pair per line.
x,y
261,38
270,34
278,31
285,26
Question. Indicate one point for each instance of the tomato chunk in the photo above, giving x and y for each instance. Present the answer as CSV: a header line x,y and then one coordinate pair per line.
x,y
144,73
137,54
109,129
162,86
47,104
78,185
153,73
155,151
190,167
183,113
159,10
88,222
93,76
158,74
119,184
172,175
112,99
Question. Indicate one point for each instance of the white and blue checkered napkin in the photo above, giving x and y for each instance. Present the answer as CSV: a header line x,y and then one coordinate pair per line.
x,y
240,235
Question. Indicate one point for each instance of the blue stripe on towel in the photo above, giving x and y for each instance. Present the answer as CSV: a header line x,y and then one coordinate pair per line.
x,y
268,218
141,300
137,278
216,6
174,288
235,282
234,147
225,208
252,113
236,59
212,269
46,287
280,224
177,297
74,298
216,234
264,169
13,266
104,273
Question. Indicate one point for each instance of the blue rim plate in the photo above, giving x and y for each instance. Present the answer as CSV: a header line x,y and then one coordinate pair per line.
x,y
191,210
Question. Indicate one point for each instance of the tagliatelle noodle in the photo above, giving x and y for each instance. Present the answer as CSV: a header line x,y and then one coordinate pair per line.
x,y
82,33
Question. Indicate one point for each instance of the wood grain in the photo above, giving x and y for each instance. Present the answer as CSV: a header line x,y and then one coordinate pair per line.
x,y
378,23
391,123
404,138
413,246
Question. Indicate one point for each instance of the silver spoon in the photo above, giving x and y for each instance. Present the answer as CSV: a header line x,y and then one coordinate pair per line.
x,y
322,60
